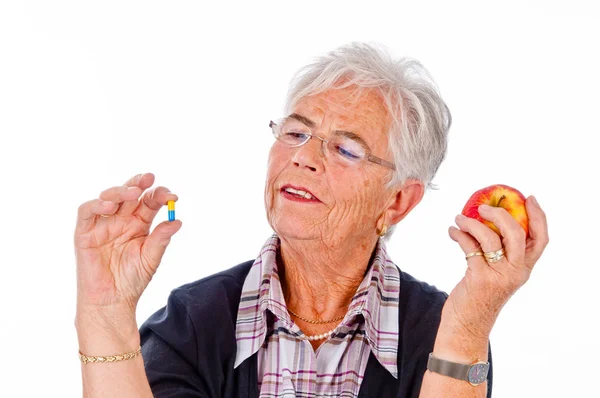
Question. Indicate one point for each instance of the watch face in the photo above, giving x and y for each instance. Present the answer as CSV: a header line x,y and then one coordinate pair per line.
x,y
478,373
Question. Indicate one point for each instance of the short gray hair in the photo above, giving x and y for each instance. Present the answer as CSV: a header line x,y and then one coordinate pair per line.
x,y
420,119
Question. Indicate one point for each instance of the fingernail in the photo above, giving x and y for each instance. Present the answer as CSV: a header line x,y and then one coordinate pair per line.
x,y
106,203
484,207
460,217
534,200
131,188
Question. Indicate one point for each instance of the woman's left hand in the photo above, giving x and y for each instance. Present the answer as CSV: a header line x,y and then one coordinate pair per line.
x,y
476,301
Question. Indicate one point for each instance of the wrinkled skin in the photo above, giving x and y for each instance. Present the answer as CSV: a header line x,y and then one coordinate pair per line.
x,y
326,247
353,197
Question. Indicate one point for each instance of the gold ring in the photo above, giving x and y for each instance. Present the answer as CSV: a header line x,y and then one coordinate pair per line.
x,y
105,215
494,256
495,259
475,253
494,253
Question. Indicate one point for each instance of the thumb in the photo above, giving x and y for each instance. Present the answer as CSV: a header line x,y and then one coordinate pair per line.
x,y
157,242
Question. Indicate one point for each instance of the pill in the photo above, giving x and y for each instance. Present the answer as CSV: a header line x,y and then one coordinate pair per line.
x,y
171,208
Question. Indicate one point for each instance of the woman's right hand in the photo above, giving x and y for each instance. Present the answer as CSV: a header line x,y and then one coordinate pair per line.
x,y
115,251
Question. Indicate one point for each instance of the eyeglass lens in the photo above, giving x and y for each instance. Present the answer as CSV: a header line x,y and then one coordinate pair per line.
x,y
341,148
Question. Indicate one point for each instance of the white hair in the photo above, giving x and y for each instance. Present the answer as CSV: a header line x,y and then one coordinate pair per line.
x,y
420,119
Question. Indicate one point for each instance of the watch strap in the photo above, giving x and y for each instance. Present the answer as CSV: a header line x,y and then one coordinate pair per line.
x,y
452,369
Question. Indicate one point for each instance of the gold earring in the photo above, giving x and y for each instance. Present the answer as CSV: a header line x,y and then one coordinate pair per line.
x,y
383,230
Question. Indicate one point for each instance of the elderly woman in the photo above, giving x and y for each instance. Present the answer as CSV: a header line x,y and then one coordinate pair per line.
x,y
322,310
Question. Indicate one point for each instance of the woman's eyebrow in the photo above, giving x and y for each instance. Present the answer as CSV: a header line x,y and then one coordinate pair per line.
x,y
309,123
303,120
354,137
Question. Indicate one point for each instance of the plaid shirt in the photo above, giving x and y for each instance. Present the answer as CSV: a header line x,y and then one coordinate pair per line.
x,y
287,364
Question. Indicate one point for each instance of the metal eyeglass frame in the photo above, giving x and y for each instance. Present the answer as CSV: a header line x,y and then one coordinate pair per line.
x,y
368,155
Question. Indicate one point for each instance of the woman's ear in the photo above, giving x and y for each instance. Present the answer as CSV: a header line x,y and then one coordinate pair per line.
x,y
405,200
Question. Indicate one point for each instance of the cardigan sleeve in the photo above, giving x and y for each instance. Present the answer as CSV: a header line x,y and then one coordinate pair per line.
x,y
189,346
170,349
490,377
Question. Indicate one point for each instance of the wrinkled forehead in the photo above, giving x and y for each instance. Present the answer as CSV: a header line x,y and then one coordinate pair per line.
x,y
353,106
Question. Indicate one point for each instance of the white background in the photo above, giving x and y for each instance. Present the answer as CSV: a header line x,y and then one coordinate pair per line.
x,y
92,93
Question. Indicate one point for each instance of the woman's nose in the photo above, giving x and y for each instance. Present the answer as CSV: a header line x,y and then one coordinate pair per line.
x,y
310,155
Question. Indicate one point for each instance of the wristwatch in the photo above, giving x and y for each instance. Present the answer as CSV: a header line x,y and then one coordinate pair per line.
x,y
475,373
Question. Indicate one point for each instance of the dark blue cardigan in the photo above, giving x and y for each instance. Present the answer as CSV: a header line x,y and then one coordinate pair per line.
x,y
189,345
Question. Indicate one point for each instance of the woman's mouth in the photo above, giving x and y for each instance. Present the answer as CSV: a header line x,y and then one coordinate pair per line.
x,y
298,195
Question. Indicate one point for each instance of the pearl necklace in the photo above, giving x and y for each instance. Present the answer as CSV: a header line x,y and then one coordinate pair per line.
x,y
321,336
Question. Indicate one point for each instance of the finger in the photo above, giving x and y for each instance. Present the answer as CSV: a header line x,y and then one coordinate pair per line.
x,y
468,244
153,201
513,234
89,211
157,242
121,194
538,232
144,181
141,181
487,238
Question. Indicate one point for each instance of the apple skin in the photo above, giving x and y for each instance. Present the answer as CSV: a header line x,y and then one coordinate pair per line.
x,y
498,195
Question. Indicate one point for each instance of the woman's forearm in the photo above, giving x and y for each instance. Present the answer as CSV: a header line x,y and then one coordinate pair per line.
x,y
104,335
457,347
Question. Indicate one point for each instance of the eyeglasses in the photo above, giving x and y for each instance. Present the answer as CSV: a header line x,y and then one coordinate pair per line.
x,y
341,148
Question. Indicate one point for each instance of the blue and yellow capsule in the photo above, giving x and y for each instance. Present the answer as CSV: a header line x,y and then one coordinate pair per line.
x,y
171,207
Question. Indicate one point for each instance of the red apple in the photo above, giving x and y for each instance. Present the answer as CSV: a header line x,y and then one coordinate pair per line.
x,y
498,195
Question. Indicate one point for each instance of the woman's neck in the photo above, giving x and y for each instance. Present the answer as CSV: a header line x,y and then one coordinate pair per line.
x,y
319,280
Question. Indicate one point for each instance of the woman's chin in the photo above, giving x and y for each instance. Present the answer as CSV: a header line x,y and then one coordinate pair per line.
x,y
295,230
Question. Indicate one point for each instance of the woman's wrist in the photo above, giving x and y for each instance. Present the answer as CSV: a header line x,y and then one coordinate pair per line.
x,y
456,347
460,343
106,331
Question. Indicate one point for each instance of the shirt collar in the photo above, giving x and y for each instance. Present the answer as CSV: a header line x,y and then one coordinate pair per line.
x,y
376,299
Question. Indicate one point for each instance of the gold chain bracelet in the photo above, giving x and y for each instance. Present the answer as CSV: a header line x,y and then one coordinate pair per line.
x,y
111,358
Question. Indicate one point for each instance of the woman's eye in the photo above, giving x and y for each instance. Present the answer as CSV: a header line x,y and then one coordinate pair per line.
x,y
294,137
297,135
347,153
